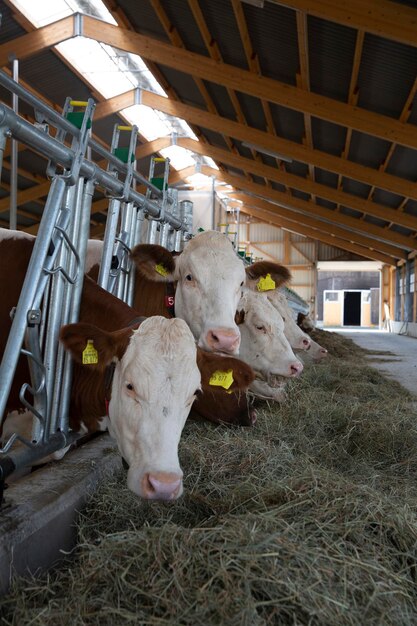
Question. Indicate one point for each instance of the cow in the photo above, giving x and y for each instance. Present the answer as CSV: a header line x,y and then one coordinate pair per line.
x,y
208,278
264,345
299,341
157,374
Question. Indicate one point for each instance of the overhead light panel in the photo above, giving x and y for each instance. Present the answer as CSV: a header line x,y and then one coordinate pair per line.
x,y
276,155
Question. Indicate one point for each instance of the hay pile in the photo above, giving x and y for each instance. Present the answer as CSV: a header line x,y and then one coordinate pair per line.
x,y
308,518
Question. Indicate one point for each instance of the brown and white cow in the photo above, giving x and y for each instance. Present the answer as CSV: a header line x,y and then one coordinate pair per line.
x,y
298,339
209,277
210,295
156,376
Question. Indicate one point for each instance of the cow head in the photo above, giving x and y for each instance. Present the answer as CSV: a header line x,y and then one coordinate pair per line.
x,y
264,346
154,384
209,278
267,277
297,338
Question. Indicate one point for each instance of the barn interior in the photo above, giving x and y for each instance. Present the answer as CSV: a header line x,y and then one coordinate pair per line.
x,y
289,125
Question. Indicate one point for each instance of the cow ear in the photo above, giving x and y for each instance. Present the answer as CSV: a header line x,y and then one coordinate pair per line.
x,y
154,262
239,317
93,347
265,276
223,372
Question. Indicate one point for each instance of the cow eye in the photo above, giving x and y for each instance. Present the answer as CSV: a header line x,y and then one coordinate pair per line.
x,y
241,284
189,277
260,327
129,386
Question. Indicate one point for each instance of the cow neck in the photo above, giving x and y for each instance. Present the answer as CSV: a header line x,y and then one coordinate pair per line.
x,y
170,298
109,371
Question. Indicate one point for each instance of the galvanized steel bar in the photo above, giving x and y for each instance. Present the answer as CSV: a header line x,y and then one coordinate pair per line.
x,y
14,157
30,289
50,148
53,117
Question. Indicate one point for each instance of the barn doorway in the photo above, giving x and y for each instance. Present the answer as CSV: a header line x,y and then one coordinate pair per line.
x,y
352,308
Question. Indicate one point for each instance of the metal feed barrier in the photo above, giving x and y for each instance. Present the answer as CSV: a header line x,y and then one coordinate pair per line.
x,y
51,291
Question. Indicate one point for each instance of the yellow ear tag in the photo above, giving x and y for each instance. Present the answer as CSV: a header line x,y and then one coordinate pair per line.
x,y
221,379
90,354
161,269
266,283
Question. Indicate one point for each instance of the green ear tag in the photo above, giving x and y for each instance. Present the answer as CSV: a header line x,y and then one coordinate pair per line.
x,y
221,379
161,269
90,354
266,283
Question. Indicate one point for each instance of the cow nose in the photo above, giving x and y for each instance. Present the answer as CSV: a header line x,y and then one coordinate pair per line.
x,y
223,340
161,486
306,344
296,368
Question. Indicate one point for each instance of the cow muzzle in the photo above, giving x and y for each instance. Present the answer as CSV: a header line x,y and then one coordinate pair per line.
x,y
161,486
224,340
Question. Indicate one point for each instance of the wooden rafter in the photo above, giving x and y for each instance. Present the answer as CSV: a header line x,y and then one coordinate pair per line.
x,y
277,220
295,204
338,231
296,151
274,91
380,17
307,186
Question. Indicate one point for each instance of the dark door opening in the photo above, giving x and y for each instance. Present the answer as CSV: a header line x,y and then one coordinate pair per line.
x,y
352,308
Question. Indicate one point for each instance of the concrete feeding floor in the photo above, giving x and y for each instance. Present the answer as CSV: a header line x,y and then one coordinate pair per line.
x,y
401,365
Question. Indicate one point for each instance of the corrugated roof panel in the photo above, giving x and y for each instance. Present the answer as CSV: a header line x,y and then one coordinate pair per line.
x,y
325,203
252,110
355,187
10,29
331,50
411,207
184,85
327,136
144,20
221,99
403,163
386,75
182,18
384,197
213,138
400,229
297,168
273,33
278,187
221,23
374,220
288,123
344,210
300,194
325,178
368,150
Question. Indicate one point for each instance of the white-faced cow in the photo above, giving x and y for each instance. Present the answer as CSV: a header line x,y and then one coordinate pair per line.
x,y
157,373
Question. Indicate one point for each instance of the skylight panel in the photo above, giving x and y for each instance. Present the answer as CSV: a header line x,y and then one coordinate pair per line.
x,y
48,11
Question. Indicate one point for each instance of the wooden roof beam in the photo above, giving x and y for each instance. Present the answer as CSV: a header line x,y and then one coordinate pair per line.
x,y
296,204
293,150
277,220
380,17
258,86
337,231
307,186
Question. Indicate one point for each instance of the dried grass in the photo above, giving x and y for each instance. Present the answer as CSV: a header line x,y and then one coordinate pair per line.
x,y
308,518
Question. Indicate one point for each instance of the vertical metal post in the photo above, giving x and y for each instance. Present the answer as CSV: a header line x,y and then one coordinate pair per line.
x,y
14,156
109,235
30,289
213,203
